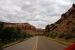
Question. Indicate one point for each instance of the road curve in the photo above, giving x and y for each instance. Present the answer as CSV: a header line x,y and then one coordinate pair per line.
x,y
37,43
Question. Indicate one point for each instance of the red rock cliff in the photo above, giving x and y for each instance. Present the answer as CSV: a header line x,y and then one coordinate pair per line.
x,y
66,24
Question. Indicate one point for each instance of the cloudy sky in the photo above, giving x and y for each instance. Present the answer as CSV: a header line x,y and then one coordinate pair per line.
x,y
36,12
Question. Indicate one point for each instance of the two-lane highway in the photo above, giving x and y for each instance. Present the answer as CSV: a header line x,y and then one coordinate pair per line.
x,y
37,43
46,44
25,45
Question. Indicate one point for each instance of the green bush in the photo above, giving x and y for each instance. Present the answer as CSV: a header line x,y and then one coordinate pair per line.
x,y
68,36
11,34
61,35
51,34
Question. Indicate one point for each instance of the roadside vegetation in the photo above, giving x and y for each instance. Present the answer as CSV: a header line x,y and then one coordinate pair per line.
x,y
66,37
63,38
9,35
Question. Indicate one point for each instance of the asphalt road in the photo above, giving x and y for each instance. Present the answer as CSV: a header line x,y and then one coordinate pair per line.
x,y
37,43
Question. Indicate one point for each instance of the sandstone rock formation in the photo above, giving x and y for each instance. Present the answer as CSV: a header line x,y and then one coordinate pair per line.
x,y
24,27
66,24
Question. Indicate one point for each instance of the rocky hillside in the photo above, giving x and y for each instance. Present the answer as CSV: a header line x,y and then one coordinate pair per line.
x,y
66,24
24,27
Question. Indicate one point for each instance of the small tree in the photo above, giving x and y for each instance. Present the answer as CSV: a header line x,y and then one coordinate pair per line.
x,y
61,35
1,25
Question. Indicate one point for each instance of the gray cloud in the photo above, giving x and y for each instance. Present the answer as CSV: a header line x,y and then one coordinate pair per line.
x,y
36,12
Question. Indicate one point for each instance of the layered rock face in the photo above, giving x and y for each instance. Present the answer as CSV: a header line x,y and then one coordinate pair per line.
x,y
66,24
24,27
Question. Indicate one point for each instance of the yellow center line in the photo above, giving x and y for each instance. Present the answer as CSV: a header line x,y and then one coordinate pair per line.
x,y
35,46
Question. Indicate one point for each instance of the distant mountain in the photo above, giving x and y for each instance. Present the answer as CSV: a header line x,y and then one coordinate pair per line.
x,y
66,24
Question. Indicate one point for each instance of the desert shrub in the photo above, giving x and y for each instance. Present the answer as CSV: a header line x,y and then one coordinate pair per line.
x,y
68,36
1,25
65,36
52,34
11,34
61,35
